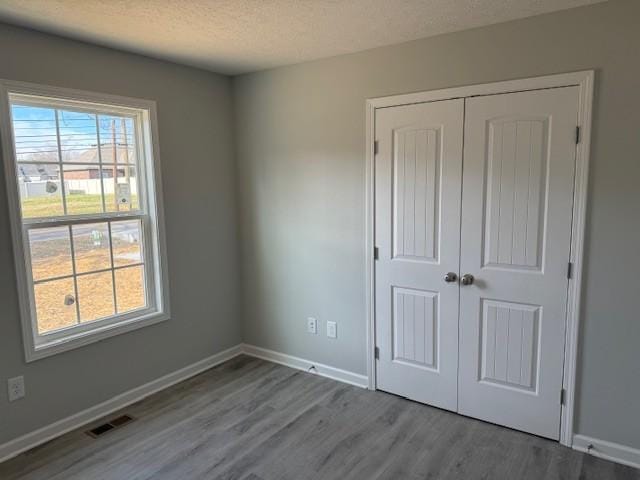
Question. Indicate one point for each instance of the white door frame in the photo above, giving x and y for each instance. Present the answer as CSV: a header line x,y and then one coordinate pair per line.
x,y
585,81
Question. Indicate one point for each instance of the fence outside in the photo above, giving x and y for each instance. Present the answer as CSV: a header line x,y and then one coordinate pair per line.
x,y
39,188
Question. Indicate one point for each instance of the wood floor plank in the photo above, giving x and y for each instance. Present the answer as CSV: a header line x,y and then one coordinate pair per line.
x,y
249,419
181,436
153,414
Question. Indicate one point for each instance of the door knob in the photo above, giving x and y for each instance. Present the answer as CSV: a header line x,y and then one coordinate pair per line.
x,y
467,279
450,277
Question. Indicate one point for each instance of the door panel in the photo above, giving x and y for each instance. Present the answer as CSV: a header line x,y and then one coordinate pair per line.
x,y
519,159
516,190
416,193
415,322
418,173
509,344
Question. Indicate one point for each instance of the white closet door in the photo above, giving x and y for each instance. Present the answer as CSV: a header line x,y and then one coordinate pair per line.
x,y
518,182
418,172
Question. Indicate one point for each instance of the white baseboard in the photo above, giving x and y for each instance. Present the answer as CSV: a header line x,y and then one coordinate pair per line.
x,y
304,364
42,435
607,450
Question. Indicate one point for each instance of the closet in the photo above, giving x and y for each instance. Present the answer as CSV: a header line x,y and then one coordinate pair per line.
x,y
473,213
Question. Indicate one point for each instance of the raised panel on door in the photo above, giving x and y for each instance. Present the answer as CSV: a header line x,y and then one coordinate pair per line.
x,y
516,191
509,344
416,192
418,172
519,160
415,327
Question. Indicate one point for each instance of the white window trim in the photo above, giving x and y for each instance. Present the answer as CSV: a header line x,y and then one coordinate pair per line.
x,y
145,111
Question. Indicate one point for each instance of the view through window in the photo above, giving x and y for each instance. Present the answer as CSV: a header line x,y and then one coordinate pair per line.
x,y
80,173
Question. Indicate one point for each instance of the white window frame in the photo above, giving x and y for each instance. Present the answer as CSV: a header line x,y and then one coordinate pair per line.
x,y
36,345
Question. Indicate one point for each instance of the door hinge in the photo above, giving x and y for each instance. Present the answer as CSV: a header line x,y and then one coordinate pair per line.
x,y
376,353
375,147
569,270
578,134
563,396
376,253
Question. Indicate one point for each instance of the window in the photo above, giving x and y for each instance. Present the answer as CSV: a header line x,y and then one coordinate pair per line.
x,y
83,179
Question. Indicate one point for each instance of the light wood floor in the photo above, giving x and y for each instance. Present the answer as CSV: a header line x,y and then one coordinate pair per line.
x,y
253,420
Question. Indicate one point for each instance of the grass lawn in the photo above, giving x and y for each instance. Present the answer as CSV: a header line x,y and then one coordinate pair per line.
x,y
95,292
77,204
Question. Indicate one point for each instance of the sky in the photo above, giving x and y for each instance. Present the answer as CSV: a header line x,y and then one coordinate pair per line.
x,y
35,133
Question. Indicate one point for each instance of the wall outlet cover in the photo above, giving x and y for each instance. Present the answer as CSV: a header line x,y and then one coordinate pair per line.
x,y
332,330
312,325
15,387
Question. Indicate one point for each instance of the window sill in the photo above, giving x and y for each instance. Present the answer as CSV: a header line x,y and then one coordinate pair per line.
x,y
45,349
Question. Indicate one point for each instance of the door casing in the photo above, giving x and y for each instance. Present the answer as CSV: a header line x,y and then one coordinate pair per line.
x,y
584,80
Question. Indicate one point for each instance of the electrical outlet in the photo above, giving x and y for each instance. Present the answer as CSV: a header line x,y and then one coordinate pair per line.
x,y
332,330
312,325
16,388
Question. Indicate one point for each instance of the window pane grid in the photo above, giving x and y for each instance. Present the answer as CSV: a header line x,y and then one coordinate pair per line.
x,y
49,162
81,219
104,203
66,138
113,273
81,165
75,278
86,247
131,299
60,169
54,314
63,277
91,245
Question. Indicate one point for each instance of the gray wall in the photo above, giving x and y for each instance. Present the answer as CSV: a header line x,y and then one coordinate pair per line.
x,y
300,142
196,147
300,151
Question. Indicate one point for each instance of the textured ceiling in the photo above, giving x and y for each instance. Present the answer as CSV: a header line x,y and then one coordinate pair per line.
x,y
235,36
